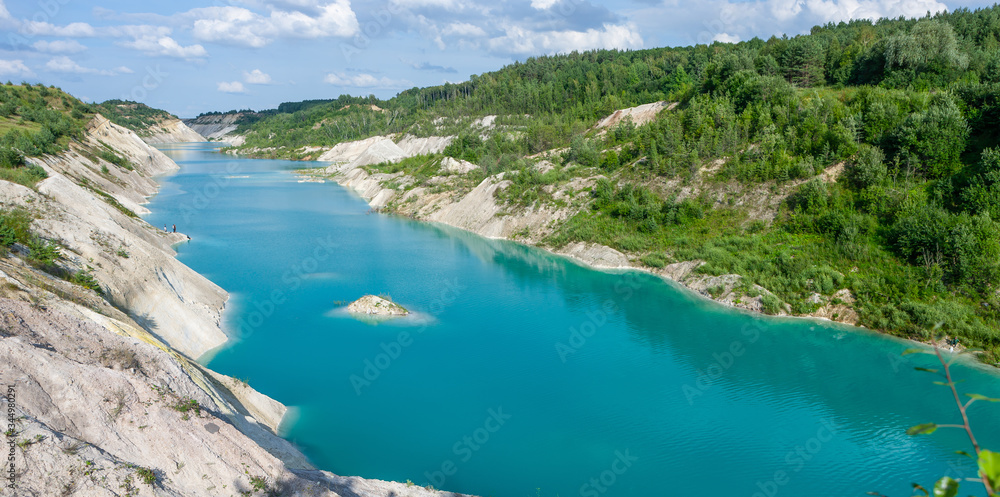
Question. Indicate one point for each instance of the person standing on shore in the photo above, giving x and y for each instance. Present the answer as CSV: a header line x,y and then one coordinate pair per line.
x,y
175,228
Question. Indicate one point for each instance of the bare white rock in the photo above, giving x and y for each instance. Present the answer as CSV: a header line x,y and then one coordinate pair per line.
x,y
376,306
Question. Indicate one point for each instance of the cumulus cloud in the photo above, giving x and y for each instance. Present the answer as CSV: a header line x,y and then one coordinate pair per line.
x,y
518,40
72,30
442,4
64,64
543,4
14,68
365,81
232,87
155,41
463,29
244,27
726,38
257,77
59,46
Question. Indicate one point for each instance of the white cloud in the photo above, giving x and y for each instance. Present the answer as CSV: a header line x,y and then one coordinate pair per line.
x,y
124,70
463,29
155,41
518,40
726,38
257,77
59,46
234,25
14,67
66,65
240,26
445,4
233,87
365,81
72,30
543,4
336,19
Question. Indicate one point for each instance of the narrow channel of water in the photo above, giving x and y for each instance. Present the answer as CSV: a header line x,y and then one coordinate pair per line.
x,y
525,374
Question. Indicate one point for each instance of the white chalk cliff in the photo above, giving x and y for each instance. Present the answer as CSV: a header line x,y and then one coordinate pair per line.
x,y
107,397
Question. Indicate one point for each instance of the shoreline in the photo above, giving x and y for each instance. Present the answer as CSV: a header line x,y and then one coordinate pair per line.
x,y
341,180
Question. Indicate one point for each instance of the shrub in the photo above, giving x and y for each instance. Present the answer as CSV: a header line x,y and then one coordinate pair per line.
x,y
15,227
86,279
653,260
868,168
932,140
42,252
146,475
771,304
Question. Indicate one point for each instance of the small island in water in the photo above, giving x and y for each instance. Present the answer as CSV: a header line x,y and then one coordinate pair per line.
x,y
376,306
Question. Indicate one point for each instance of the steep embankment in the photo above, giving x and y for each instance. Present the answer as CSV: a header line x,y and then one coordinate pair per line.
x,y
106,398
172,131
218,127
452,193
154,126
131,258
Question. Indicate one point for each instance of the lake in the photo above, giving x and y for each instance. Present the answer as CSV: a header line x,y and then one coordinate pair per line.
x,y
522,373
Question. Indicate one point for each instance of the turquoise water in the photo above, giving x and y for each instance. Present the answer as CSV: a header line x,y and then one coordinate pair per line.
x,y
524,374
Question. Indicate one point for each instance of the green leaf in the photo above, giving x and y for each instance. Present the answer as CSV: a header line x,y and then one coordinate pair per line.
x,y
989,465
927,370
946,487
924,429
917,486
915,351
964,453
982,397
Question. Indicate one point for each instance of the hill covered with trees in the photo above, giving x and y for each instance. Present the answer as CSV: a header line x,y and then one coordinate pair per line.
x,y
886,134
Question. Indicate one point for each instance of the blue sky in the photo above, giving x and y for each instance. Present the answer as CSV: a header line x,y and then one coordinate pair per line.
x,y
188,56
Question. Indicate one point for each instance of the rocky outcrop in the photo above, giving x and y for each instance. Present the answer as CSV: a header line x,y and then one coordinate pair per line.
x,y
379,149
411,145
218,127
371,305
595,255
171,131
639,115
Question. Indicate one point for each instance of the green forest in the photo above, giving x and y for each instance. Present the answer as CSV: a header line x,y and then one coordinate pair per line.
x,y
909,108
